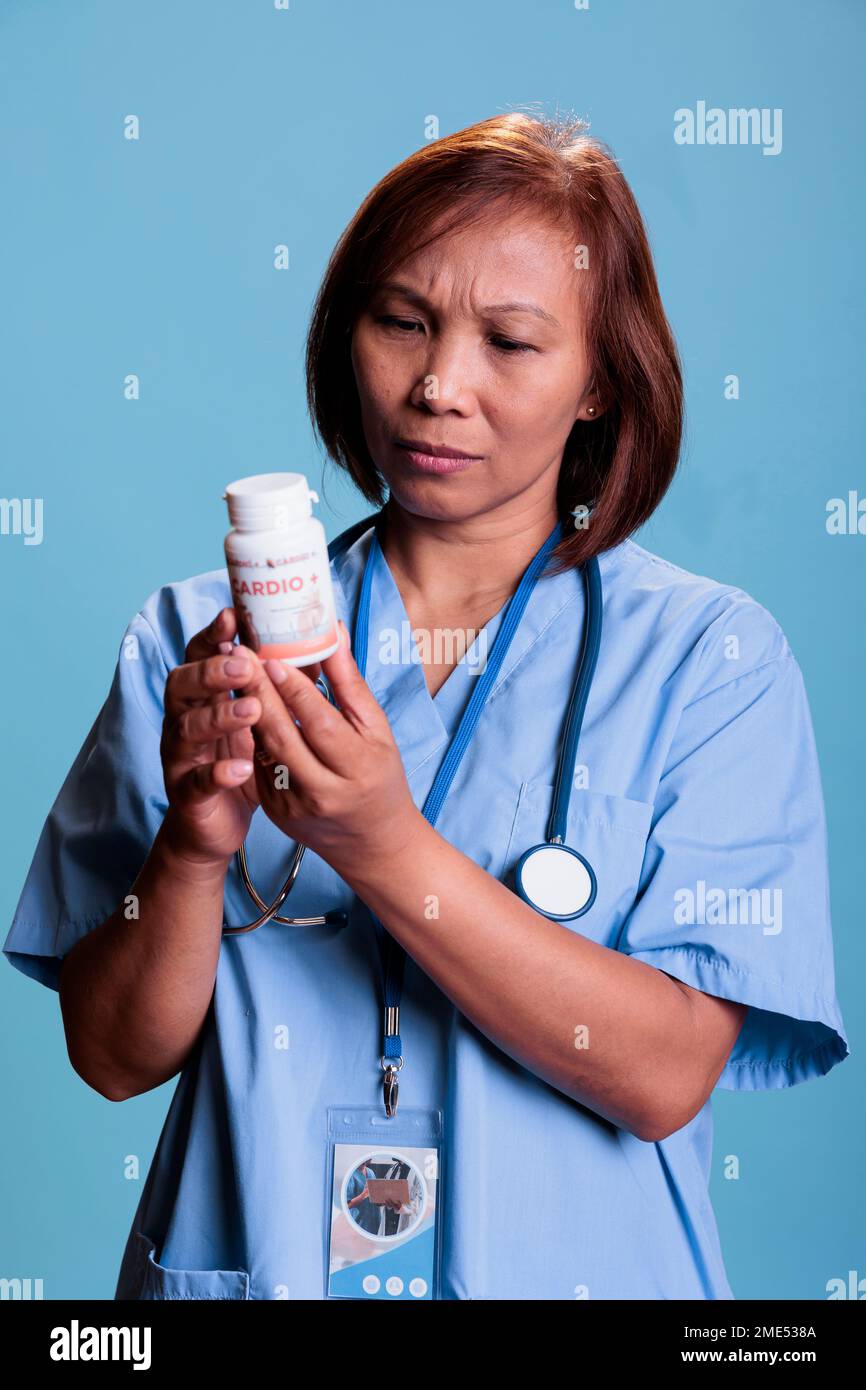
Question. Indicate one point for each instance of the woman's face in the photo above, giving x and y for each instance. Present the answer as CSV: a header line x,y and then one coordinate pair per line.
x,y
476,343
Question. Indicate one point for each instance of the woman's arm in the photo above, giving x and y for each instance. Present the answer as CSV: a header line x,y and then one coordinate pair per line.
x,y
656,1047
134,991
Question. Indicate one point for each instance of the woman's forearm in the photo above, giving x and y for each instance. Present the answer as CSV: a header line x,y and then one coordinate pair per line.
x,y
613,1033
134,991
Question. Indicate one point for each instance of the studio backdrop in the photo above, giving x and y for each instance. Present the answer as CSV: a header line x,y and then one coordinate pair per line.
x,y
175,178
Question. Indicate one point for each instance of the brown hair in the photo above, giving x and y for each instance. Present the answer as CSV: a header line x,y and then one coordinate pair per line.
x,y
619,465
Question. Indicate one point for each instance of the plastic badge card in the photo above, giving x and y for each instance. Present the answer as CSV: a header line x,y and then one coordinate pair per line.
x,y
384,1217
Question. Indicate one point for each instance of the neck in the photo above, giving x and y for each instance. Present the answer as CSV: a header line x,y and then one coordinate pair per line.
x,y
471,559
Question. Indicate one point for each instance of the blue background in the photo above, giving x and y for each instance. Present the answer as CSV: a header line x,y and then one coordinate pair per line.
x,y
262,126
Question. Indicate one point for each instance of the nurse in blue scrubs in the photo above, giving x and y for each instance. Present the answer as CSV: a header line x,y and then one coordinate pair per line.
x,y
488,356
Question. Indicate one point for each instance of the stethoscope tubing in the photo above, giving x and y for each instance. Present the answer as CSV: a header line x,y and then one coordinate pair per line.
x,y
557,829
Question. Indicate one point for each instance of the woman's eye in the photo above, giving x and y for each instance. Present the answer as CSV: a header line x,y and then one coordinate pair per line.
x,y
394,322
509,345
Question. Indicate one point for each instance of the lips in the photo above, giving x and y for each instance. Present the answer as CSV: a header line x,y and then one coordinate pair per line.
x,y
425,457
423,446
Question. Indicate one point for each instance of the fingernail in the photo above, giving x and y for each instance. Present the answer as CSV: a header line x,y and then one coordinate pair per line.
x,y
226,647
241,708
236,667
240,769
276,670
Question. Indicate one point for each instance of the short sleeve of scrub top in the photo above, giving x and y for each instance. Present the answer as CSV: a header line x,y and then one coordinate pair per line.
x,y
750,920
103,821
697,799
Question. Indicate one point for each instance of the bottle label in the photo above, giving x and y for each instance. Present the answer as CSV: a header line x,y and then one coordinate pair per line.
x,y
284,603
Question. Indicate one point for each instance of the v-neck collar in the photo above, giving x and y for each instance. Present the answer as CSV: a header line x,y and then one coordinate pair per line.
x,y
456,690
422,723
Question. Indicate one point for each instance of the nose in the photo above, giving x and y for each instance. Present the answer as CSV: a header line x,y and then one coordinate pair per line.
x,y
446,380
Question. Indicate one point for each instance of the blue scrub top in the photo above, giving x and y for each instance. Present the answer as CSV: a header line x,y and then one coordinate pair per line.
x,y
698,801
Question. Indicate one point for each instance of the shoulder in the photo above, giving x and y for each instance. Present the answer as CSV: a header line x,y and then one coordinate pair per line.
x,y
176,611
705,632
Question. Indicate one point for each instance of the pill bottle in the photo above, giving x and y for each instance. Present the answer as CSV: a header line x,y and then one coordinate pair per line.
x,y
279,571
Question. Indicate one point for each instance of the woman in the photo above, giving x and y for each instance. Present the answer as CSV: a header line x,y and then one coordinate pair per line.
x,y
490,350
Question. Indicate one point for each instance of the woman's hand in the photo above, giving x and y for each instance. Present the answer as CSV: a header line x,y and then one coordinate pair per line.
x,y
334,779
206,746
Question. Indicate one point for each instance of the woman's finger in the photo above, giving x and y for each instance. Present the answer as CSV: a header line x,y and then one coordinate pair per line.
x,y
352,693
205,678
202,725
323,728
207,642
239,744
205,780
277,736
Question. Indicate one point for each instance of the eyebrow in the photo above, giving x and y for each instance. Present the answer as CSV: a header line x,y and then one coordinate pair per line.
x,y
513,306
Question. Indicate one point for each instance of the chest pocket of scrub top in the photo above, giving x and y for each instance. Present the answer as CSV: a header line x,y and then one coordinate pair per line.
x,y
610,831
160,1282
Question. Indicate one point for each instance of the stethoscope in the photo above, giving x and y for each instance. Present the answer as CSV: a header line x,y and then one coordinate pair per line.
x,y
552,877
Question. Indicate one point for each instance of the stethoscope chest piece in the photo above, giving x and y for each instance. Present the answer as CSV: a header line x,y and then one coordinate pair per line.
x,y
556,880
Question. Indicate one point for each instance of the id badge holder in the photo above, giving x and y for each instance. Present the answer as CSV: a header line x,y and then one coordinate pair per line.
x,y
384,1213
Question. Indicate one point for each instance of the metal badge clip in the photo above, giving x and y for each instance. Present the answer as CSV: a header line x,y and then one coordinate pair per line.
x,y
390,1085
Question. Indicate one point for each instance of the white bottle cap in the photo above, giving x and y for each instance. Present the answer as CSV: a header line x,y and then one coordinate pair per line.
x,y
269,501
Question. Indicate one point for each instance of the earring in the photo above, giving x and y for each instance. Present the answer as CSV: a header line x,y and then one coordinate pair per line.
x,y
590,410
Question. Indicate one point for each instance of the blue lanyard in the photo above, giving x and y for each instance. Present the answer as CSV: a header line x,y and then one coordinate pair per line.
x,y
391,954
